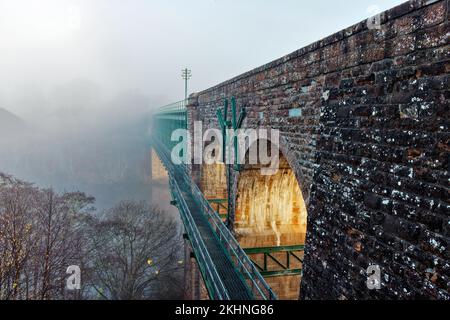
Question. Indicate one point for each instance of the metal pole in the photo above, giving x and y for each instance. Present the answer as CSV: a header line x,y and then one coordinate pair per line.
x,y
186,75
185,87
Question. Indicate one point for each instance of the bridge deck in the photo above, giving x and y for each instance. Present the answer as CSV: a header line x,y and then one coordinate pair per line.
x,y
233,280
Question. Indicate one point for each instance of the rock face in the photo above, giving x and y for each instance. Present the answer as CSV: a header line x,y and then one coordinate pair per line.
x,y
364,122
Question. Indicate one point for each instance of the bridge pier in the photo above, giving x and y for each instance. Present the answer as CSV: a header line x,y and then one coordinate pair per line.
x,y
194,286
157,172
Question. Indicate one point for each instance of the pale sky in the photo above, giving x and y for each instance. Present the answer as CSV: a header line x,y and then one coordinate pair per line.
x,y
142,45
83,75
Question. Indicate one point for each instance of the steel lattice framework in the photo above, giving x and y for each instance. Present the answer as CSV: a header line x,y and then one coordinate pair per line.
x,y
227,271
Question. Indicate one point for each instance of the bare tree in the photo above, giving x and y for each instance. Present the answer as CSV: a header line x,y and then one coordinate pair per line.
x,y
131,252
17,199
135,248
41,234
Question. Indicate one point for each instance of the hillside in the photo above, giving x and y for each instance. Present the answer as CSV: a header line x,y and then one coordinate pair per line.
x,y
10,123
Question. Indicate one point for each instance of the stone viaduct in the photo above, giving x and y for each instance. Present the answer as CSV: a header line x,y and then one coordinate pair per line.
x,y
365,144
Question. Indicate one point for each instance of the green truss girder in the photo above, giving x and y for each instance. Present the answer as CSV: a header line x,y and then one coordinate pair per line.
x,y
284,268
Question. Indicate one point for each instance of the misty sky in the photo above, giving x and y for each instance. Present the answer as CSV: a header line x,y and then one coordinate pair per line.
x,y
140,46
83,75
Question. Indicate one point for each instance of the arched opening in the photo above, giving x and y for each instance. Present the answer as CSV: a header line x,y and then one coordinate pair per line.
x,y
270,223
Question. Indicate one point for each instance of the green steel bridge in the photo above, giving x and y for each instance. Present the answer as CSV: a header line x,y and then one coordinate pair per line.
x,y
227,271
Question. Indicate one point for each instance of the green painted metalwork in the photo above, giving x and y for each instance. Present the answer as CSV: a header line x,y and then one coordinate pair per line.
x,y
167,120
274,249
281,273
223,125
211,278
234,124
237,124
284,267
228,272
220,204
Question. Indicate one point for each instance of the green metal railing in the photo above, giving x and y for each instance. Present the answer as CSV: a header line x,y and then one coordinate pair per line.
x,y
278,261
196,210
259,287
214,284
231,250
220,205
167,120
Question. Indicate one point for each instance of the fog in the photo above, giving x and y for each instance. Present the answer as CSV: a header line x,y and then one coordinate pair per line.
x,y
78,78
89,144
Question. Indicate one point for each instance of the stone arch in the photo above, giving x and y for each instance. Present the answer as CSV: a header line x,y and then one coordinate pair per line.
x,y
303,179
264,203
270,211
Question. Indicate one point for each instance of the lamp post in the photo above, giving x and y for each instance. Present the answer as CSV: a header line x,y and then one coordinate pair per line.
x,y
186,74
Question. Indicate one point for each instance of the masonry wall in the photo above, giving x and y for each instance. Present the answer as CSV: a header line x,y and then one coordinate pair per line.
x,y
370,150
194,286
213,181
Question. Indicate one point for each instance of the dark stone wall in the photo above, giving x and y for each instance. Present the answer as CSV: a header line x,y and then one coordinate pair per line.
x,y
370,150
